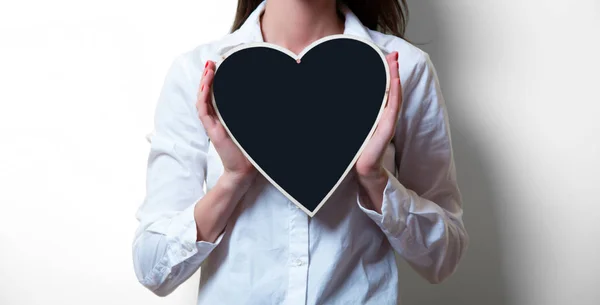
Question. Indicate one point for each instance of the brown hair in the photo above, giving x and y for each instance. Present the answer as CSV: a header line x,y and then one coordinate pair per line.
x,y
387,16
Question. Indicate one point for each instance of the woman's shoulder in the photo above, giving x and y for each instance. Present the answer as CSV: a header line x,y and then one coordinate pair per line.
x,y
413,61
193,59
409,53
415,64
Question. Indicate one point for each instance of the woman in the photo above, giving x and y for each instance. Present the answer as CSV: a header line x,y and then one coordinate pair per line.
x,y
254,245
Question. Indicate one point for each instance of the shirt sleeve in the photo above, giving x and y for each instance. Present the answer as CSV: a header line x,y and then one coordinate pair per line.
x,y
422,205
165,251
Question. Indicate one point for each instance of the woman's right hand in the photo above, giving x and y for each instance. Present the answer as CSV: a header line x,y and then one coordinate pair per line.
x,y
235,163
213,210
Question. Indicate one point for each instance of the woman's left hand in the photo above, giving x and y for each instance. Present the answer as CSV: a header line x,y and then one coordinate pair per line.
x,y
369,164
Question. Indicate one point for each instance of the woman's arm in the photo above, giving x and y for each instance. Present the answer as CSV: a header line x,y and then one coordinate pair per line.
x,y
420,208
214,209
179,225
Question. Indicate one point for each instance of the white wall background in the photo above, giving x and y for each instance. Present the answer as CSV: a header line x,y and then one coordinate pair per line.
x,y
78,85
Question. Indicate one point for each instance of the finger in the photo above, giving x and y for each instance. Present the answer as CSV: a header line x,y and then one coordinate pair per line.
x,y
210,65
217,128
392,56
201,107
394,98
392,60
388,121
204,100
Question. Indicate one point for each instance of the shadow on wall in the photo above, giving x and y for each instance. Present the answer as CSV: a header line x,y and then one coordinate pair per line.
x,y
479,278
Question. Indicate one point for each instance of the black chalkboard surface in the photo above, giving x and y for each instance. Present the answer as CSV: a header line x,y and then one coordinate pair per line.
x,y
303,119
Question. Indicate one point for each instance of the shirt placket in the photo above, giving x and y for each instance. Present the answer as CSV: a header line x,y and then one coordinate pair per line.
x,y
298,256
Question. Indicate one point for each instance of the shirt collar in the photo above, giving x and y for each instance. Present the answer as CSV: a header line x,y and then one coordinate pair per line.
x,y
250,30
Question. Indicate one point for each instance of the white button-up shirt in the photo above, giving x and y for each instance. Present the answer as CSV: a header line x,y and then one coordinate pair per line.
x,y
271,252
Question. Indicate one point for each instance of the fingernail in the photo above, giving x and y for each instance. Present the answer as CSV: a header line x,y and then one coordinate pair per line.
x,y
206,64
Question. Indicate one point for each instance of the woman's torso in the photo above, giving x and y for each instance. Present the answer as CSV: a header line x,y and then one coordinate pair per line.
x,y
273,253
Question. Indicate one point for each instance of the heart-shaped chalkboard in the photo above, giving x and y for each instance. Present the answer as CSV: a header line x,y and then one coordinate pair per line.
x,y
302,120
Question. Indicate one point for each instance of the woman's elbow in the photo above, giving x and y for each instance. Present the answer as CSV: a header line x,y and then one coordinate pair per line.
x,y
161,290
440,277
153,286
146,262
451,260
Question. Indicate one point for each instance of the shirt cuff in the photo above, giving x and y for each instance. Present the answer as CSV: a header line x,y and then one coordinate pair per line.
x,y
395,207
183,244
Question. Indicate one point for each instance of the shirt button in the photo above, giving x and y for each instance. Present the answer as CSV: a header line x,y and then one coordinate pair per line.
x,y
298,262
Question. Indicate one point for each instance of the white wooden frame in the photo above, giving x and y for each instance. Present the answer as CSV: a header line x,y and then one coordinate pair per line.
x,y
298,58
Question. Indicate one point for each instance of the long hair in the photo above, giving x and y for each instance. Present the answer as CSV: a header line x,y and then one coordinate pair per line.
x,y
387,16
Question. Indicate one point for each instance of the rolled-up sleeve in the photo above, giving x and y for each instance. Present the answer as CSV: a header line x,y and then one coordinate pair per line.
x,y
165,250
421,213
